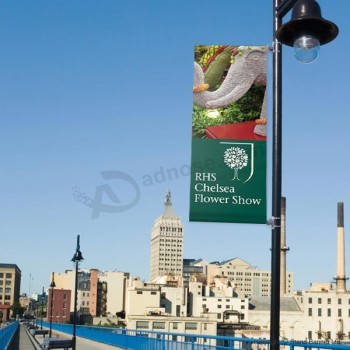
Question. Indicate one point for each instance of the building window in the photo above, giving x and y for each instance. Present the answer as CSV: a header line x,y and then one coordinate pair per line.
x,y
8,275
329,312
319,312
153,293
158,325
219,306
310,300
64,296
1,275
319,300
310,311
329,301
339,312
309,334
190,339
191,325
218,316
142,325
139,292
175,325
64,305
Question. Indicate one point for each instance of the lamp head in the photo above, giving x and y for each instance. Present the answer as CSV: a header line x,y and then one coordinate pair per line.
x,y
78,256
307,30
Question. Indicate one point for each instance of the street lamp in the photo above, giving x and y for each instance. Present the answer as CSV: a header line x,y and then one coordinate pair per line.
x,y
77,257
305,31
52,286
42,308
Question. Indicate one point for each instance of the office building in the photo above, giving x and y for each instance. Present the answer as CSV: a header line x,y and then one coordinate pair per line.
x,y
167,243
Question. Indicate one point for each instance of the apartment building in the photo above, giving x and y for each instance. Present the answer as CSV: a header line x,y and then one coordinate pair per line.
x,y
10,284
58,307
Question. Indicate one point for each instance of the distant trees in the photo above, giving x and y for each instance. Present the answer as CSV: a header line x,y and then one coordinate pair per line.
x,y
17,309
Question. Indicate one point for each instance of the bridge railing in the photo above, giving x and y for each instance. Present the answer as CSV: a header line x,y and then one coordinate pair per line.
x,y
151,340
6,334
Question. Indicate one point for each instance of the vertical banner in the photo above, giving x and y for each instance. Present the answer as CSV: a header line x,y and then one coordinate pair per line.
x,y
228,166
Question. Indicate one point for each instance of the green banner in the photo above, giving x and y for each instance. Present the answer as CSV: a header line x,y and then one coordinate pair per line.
x,y
228,168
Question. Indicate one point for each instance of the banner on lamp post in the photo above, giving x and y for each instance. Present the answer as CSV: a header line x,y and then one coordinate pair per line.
x,y
228,166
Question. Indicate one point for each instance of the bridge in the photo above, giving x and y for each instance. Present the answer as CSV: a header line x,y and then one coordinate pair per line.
x,y
17,337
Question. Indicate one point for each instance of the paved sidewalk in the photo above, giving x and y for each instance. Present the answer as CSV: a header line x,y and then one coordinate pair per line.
x,y
82,343
22,340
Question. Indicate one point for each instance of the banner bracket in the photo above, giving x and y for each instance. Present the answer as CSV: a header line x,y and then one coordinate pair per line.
x,y
272,222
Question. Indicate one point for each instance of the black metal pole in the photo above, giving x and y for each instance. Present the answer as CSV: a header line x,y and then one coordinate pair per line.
x,y
42,309
76,258
75,306
51,307
276,184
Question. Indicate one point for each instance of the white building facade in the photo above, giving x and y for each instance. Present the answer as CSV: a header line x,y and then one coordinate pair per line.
x,y
248,280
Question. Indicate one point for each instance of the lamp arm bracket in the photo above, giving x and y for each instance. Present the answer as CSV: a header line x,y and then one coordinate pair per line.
x,y
284,7
271,47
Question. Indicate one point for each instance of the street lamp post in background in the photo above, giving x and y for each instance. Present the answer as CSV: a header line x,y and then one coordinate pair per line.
x,y
42,308
77,257
306,31
52,286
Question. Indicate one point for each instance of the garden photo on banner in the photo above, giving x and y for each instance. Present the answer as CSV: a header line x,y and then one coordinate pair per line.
x,y
228,160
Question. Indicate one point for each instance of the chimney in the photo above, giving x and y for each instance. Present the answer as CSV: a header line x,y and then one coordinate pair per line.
x,y
340,277
284,249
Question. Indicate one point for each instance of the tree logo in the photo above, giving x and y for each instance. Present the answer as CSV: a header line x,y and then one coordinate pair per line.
x,y
237,158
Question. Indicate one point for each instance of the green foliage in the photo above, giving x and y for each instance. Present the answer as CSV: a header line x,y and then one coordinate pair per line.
x,y
246,108
17,309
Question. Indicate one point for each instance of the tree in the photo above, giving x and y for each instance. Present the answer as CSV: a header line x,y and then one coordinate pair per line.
x,y
236,158
17,309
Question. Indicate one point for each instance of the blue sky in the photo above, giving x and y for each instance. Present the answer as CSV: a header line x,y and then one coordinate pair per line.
x,y
93,86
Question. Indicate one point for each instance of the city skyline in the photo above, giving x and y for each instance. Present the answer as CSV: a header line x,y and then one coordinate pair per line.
x,y
96,128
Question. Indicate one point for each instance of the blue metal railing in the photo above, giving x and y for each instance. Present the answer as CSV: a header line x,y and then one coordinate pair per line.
x,y
6,334
150,340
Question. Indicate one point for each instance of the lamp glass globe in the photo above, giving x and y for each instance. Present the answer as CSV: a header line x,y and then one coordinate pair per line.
x,y
306,48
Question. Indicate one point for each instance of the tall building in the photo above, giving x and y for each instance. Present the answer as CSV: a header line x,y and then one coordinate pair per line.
x,y
167,243
10,284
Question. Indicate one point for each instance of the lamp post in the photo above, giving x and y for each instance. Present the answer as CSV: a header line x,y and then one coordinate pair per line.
x,y
42,309
52,286
306,31
77,257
